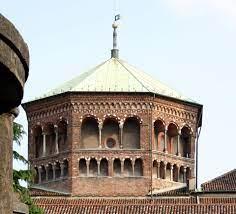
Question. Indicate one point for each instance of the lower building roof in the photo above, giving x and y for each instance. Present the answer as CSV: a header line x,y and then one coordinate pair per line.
x,y
69,205
223,183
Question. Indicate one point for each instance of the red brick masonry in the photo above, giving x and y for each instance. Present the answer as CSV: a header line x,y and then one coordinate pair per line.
x,y
179,205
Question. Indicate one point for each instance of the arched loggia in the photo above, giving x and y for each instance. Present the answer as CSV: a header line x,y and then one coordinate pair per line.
x,y
172,139
159,135
50,138
110,133
62,136
131,133
185,142
89,133
38,141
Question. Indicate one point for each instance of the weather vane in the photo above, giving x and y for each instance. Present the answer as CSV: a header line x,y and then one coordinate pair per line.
x,y
115,50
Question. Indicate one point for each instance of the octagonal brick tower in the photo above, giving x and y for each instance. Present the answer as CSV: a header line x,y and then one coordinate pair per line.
x,y
112,131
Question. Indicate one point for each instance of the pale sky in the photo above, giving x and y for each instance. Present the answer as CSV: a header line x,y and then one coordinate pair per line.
x,y
189,45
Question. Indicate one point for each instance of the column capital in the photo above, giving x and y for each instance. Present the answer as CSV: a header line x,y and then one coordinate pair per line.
x,y
166,129
62,165
121,124
100,125
15,112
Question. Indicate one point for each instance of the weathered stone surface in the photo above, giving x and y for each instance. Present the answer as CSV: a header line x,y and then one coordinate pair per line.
x,y
14,65
14,68
6,121
19,207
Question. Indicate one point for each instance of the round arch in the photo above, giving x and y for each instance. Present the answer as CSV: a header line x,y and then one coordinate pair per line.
x,y
159,135
131,133
110,133
89,133
172,138
38,141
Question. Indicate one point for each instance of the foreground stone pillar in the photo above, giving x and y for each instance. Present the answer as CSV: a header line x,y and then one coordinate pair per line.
x,y
14,68
6,202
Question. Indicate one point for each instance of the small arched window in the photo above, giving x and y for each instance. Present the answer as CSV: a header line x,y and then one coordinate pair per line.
x,y
82,167
117,167
128,168
104,167
131,133
138,167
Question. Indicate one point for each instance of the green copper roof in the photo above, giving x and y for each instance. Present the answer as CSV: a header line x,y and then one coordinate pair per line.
x,y
116,75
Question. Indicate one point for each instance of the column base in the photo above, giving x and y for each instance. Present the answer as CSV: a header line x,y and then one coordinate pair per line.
x,y
19,207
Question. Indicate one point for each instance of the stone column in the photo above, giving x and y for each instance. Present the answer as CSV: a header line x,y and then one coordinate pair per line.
x,y
121,125
100,125
56,139
165,141
6,137
62,169
44,144
87,164
171,172
133,167
54,171
158,170
14,70
184,176
46,169
98,162
39,171
192,152
178,142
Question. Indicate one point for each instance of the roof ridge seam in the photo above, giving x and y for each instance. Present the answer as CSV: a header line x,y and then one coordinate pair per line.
x,y
133,75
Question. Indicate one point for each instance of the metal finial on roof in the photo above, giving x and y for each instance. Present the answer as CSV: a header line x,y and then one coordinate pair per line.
x,y
115,50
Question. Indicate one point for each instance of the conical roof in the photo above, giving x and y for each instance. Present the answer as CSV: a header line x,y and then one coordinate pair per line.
x,y
116,75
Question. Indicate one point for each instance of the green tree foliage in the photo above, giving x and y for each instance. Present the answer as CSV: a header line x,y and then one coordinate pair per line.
x,y
25,175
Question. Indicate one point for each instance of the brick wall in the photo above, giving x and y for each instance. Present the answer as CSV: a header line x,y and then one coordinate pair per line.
x,y
75,107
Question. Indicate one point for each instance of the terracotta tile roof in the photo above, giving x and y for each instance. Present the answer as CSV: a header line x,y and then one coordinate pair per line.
x,y
69,205
217,200
45,192
223,183
113,201
177,192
